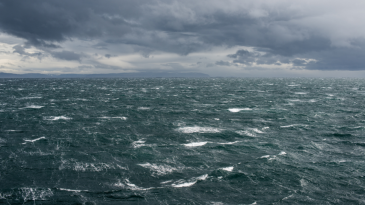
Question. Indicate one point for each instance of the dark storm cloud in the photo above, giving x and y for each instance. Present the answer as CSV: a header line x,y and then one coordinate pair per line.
x,y
40,21
283,34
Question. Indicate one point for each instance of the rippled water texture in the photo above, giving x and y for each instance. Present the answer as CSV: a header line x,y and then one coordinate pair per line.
x,y
182,141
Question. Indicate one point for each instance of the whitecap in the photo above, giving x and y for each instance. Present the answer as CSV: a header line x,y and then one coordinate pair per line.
x,y
191,182
301,93
293,125
139,143
84,166
265,156
81,166
294,100
238,109
71,190
33,140
285,198
216,203
229,142
198,129
303,182
186,184
122,118
228,169
282,153
256,130
133,186
286,126
246,133
81,99
158,169
28,98
34,107
166,182
195,144
57,118
143,108
127,184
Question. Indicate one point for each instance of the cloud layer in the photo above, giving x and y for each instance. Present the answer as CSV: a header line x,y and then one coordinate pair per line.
x,y
311,35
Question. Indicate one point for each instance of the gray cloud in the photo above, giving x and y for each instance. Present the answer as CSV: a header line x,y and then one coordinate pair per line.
x,y
21,50
249,58
223,63
280,31
67,55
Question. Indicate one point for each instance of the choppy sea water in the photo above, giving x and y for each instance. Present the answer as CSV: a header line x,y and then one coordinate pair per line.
x,y
182,141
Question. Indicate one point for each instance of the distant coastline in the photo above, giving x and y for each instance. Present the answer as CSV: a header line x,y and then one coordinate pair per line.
x,y
109,75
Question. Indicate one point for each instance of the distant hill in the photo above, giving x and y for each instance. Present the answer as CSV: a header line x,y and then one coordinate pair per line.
x,y
110,75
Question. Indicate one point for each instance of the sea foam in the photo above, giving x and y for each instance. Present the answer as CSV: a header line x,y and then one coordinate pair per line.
x,y
33,194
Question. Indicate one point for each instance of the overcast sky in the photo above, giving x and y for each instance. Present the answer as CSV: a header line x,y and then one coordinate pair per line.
x,y
261,38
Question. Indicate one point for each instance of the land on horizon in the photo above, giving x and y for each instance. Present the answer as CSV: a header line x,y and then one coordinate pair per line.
x,y
108,75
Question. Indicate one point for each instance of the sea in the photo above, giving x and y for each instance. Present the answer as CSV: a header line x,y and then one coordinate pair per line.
x,y
211,141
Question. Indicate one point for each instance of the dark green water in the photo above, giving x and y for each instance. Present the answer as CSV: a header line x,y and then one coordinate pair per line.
x,y
182,141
